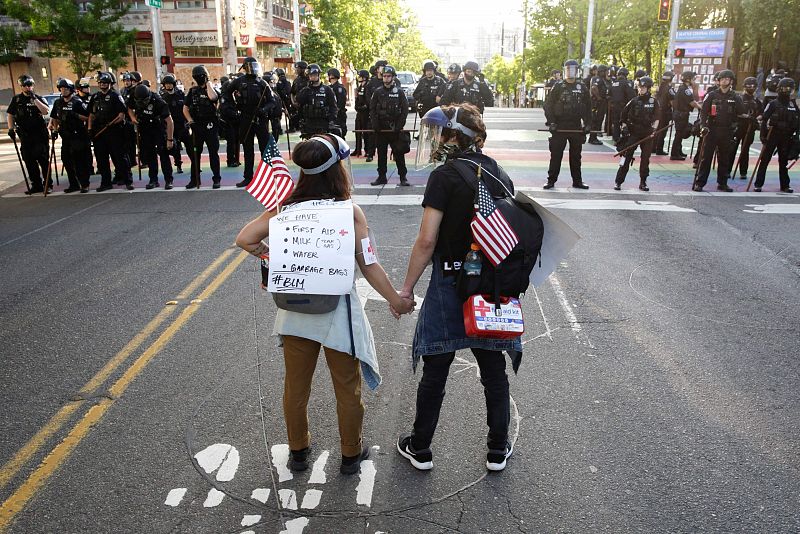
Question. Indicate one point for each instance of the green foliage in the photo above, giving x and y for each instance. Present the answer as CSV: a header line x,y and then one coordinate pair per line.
x,y
12,43
318,46
81,36
504,73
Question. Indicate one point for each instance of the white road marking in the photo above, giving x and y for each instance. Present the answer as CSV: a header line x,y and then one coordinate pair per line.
x,y
295,526
219,456
388,200
214,498
48,225
318,475
311,499
547,332
248,532
261,495
774,209
280,459
366,292
288,498
610,204
249,520
467,365
562,299
366,484
175,496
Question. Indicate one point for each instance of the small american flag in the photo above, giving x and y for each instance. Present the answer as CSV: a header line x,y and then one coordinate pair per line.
x,y
490,229
272,183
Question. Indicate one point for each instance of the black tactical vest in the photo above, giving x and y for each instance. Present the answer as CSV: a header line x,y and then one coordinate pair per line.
x,y
200,106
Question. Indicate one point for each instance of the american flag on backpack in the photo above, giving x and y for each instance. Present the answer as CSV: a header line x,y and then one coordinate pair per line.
x,y
272,184
490,229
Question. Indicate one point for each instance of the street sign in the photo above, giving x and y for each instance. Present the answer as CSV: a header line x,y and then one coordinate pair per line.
x,y
284,51
154,3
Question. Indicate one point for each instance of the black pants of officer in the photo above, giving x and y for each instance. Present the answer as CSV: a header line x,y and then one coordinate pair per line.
x,y
232,143
181,139
249,131
748,136
614,112
644,160
682,131
341,122
363,139
107,145
154,148
35,154
780,141
205,132
717,140
75,162
294,120
558,142
130,142
598,114
664,118
383,141
277,130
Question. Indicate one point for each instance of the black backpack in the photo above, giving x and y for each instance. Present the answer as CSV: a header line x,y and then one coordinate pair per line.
x,y
512,276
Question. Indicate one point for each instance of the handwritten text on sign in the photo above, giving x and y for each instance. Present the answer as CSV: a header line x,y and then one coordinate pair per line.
x,y
312,248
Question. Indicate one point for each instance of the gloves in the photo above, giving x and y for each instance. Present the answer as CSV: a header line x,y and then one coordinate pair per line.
x,y
704,131
587,129
624,131
53,134
553,127
12,134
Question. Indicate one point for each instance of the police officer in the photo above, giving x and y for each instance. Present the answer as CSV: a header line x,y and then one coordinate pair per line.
x,y
468,89
772,86
26,118
155,128
68,119
340,92
592,73
84,90
719,118
317,105
638,121
175,100
362,115
747,127
200,111
453,73
664,95
779,129
85,94
388,111
427,88
255,103
567,107
639,74
683,106
298,84
135,78
106,128
599,93
229,122
620,93
277,109
377,78
555,77
283,88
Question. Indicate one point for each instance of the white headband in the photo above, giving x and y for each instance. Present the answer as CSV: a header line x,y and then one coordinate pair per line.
x,y
342,153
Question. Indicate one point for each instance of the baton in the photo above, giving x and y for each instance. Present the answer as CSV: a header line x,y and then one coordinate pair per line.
x,y
55,165
50,165
286,116
569,131
702,150
642,140
669,137
691,152
21,166
741,154
139,154
758,161
790,166
384,131
112,123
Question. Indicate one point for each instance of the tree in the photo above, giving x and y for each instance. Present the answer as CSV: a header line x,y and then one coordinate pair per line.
x,y
320,47
12,43
505,74
82,36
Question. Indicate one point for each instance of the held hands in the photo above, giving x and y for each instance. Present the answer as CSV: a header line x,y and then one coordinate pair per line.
x,y
403,304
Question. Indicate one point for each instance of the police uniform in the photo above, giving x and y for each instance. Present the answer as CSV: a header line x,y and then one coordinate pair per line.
x,y
254,103
298,84
388,111
664,96
567,106
229,116
782,117
205,129
340,93
475,92
364,139
71,116
175,101
718,114
682,108
105,108
638,115
747,132
129,130
620,93
425,93
599,94
317,109
150,115
29,123
276,112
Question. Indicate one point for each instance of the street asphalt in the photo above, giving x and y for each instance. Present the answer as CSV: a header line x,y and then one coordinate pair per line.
x,y
141,387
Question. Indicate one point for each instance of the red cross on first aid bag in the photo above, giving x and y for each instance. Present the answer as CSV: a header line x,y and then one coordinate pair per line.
x,y
486,319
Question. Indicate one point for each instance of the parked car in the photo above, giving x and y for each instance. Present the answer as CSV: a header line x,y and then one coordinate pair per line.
x,y
408,81
51,98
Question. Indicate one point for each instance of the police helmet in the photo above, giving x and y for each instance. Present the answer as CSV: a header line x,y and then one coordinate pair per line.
x,y
313,69
454,68
640,73
200,74
593,68
267,76
105,77
250,65
141,93
554,72
168,78
302,65
750,81
473,66
571,68
126,76
83,83
623,71
786,86
428,65
646,81
334,73
65,82
688,76
26,80
668,75
136,76
612,70
602,68
381,63
280,72
373,70
363,74
726,74
223,80
388,69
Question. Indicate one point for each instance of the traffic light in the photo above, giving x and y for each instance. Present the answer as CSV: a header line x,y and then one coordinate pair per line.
x,y
165,60
680,52
663,10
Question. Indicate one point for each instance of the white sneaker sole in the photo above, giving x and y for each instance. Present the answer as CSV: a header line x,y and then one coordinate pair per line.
x,y
499,467
422,466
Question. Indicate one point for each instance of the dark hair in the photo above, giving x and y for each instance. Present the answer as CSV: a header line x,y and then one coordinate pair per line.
x,y
333,182
470,117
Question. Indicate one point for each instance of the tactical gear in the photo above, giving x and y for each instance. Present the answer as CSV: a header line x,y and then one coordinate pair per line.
x,y
472,65
301,65
105,77
646,81
26,81
602,69
280,72
83,83
388,69
688,76
364,74
428,65
786,86
571,68
200,75
668,75
141,94
313,69
168,78
640,73
381,63
750,81
454,68
250,65
726,74
623,72
64,82
334,73
126,77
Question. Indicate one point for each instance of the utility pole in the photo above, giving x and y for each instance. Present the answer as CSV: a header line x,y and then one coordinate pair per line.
x,y
673,31
296,22
229,51
155,29
523,86
587,53
503,39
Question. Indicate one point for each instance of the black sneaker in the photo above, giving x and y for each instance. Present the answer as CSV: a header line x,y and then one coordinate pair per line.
x,y
643,187
787,190
379,181
298,460
757,189
151,185
71,190
168,185
103,188
351,464
403,181
422,459
368,159
549,185
129,187
724,187
244,183
580,185
216,183
617,187
192,185
496,459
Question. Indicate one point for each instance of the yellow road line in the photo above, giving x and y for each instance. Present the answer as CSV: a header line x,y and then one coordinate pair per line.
x,y
19,499
57,421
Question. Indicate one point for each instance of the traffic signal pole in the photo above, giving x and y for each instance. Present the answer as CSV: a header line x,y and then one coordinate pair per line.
x,y
155,25
673,30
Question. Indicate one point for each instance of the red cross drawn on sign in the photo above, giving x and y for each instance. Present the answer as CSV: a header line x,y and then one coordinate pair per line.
x,y
343,232
482,309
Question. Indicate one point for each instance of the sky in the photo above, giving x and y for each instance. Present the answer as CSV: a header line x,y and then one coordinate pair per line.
x,y
452,18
